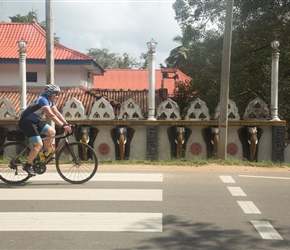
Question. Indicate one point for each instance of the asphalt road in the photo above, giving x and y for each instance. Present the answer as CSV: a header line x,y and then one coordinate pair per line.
x,y
150,207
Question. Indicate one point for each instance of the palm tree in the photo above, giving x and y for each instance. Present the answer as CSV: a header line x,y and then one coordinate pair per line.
x,y
179,54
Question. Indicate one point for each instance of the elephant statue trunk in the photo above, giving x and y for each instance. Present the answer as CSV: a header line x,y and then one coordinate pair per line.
x,y
178,137
122,136
87,135
122,143
253,141
85,139
180,141
215,141
250,137
211,138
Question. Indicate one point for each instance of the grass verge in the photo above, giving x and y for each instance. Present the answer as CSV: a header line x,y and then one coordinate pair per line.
x,y
199,162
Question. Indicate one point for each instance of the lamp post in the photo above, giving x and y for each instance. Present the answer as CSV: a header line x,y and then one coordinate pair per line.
x,y
22,73
151,69
274,80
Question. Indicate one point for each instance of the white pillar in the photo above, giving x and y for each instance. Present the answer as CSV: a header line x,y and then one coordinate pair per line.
x,y
274,81
22,73
151,75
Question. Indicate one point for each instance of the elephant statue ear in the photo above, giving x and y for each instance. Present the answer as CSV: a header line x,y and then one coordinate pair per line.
x,y
242,135
187,134
93,133
113,133
58,130
259,134
170,133
3,134
205,134
130,134
77,133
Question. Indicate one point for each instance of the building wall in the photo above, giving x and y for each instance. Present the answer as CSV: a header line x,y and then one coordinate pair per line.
x,y
65,75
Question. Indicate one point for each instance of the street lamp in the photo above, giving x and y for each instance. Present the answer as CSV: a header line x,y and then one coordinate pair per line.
x,y
22,73
274,80
151,76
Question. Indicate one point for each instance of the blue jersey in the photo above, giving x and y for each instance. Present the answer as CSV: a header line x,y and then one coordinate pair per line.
x,y
34,112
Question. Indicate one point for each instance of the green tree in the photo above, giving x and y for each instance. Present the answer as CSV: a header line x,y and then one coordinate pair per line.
x,y
30,17
179,55
110,60
256,24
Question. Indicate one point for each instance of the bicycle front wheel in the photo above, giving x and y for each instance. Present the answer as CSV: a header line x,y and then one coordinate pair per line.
x,y
76,162
13,156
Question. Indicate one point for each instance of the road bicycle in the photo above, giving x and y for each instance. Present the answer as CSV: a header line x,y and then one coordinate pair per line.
x,y
76,162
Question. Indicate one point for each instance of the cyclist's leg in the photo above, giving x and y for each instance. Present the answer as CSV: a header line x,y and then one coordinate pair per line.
x,y
30,130
47,130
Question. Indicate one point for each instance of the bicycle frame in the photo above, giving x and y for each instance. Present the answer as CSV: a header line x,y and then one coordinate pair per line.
x,y
59,146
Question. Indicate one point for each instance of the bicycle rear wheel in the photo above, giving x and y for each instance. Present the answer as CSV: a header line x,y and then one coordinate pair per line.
x,y
11,162
76,162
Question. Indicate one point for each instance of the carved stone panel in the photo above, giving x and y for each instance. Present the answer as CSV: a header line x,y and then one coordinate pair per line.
x,y
130,110
278,143
257,109
197,110
74,109
7,110
102,110
152,146
233,112
168,110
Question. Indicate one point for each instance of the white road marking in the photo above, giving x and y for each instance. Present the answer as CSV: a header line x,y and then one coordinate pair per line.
x,y
82,194
266,230
106,177
236,191
249,207
66,221
265,177
227,179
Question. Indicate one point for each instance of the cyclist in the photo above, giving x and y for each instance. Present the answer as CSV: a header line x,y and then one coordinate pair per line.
x,y
32,126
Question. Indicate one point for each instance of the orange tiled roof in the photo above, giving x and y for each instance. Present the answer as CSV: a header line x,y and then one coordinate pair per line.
x,y
88,96
35,36
134,79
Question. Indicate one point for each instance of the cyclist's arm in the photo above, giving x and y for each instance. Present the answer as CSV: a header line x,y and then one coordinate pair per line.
x,y
51,114
58,115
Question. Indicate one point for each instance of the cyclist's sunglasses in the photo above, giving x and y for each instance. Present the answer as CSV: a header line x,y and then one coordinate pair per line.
x,y
56,93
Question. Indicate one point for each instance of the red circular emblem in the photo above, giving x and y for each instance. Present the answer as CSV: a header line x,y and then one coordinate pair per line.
x,y
195,148
232,148
104,148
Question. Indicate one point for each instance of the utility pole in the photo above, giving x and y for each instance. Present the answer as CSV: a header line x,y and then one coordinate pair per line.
x,y
49,42
49,46
225,78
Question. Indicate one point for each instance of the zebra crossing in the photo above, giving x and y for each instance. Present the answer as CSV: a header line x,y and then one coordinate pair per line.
x,y
131,221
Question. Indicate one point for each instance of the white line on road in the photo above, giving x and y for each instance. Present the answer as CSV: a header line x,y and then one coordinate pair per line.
x,y
266,230
227,179
106,177
60,221
82,194
236,191
249,207
265,177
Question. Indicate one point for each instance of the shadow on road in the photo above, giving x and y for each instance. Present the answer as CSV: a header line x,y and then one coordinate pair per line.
x,y
180,234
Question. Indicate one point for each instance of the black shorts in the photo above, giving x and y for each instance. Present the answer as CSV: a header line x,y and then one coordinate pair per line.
x,y
33,130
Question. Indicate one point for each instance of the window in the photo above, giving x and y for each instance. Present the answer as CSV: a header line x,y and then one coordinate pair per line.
x,y
31,76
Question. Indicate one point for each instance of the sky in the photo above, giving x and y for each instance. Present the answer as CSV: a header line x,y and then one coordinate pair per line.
x,y
118,25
